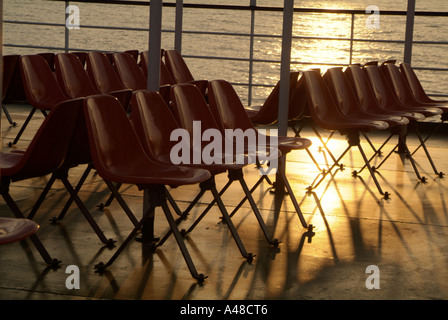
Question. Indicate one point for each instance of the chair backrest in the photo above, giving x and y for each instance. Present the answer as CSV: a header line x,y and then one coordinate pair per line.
x,y
48,148
381,88
49,57
129,72
102,73
342,91
113,142
414,83
165,77
40,86
134,53
322,107
9,64
268,112
177,67
189,105
72,76
395,79
362,88
82,55
153,122
227,106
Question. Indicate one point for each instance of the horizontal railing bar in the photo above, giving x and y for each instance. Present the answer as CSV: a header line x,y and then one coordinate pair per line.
x,y
260,8
230,34
221,33
211,57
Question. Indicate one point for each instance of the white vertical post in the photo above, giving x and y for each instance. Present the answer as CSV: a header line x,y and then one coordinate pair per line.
x,y
253,3
288,13
155,37
285,69
66,30
409,31
178,26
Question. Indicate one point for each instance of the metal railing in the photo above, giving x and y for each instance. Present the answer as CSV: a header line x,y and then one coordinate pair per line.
x,y
252,35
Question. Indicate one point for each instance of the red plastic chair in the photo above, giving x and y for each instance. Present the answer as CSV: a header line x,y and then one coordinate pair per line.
x,y
134,53
348,103
10,62
327,115
78,153
368,100
105,79
40,158
126,162
129,72
227,107
401,89
404,95
166,81
82,55
75,82
180,72
49,57
72,76
350,106
417,88
165,77
40,86
13,229
268,112
386,96
154,123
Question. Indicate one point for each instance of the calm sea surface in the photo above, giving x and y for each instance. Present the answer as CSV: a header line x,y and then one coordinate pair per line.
x,y
306,53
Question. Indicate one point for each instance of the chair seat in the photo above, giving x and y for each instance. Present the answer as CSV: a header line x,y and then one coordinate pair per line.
x,y
12,229
150,173
251,112
9,163
359,125
293,143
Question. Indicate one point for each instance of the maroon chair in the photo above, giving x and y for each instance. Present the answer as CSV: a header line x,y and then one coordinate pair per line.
x,y
105,79
401,90
366,97
416,87
82,55
129,72
40,86
166,81
154,123
10,62
14,229
386,97
228,108
49,57
40,158
405,96
75,82
180,72
127,163
267,113
327,115
349,105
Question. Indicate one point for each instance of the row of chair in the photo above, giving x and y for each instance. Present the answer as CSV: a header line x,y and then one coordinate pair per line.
x,y
173,70
368,98
109,114
152,118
